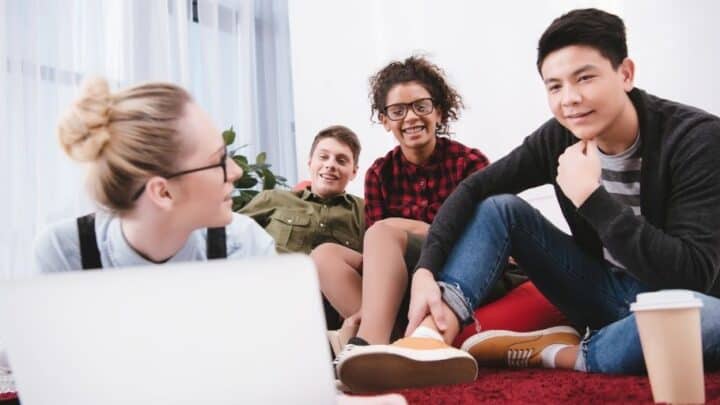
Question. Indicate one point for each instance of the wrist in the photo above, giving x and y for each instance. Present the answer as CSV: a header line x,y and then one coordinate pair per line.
x,y
422,272
583,196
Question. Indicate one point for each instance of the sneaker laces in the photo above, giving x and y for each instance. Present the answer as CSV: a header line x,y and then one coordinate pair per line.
x,y
519,358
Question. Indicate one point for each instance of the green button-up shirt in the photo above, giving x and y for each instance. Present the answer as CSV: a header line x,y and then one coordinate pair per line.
x,y
300,220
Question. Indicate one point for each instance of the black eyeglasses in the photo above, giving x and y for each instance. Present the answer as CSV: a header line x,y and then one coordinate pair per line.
x,y
222,163
396,112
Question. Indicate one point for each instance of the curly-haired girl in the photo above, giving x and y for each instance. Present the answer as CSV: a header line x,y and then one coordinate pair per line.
x,y
403,191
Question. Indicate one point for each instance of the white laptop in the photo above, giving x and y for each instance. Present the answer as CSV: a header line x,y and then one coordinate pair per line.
x,y
224,332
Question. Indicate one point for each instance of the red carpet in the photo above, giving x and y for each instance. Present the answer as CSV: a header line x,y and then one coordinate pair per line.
x,y
536,386
548,387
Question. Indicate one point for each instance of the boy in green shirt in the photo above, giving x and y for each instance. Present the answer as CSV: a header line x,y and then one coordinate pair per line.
x,y
322,212
300,220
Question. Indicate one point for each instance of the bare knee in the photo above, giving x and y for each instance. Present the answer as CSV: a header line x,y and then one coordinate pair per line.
x,y
323,256
331,258
385,233
324,251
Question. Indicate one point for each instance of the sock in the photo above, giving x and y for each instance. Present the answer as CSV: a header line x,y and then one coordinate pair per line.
x,y
357,341
549,353
425,332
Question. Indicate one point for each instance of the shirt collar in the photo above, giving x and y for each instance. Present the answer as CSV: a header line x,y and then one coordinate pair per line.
x,y
308,195
435,158
121,254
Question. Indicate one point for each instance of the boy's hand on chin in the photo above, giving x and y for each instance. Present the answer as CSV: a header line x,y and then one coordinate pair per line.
x,y
579,170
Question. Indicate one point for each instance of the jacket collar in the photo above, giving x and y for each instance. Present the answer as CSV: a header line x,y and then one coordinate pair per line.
x,y
652,191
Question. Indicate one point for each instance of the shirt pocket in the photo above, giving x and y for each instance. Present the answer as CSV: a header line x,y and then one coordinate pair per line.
x,y
291,231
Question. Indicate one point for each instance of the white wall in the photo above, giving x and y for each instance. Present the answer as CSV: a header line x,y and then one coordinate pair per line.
x,y
488,50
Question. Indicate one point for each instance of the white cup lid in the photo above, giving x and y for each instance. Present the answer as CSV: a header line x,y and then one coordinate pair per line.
x,y
665,299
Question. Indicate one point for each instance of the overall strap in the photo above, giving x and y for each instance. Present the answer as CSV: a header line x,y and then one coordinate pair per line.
x,y
89,251
216,247
90,254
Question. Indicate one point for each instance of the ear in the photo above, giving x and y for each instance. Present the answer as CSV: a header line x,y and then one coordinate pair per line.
x,y
158,191
627,70
385,122
354,173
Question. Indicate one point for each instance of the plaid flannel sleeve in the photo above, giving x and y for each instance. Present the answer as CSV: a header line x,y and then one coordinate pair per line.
x,y
476,161
373,199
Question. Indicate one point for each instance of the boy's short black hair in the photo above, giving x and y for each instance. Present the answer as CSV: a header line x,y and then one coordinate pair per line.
x,y
341,134
591,27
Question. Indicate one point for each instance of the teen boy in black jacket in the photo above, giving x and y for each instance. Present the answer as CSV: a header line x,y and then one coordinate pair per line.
x,y
638,181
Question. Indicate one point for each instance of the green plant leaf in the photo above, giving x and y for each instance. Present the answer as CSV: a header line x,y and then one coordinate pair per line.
x,y
241,161
233,150
258,168
246,181
255,175
238,203
269,180
229,136
241,200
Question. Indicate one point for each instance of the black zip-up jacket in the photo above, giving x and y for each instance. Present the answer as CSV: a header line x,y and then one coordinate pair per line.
x,y
675,243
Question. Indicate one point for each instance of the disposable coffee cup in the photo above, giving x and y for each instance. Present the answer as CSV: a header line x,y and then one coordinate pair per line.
x,y
669,326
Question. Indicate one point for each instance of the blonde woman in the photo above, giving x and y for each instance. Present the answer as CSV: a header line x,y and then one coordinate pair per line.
x,y
159,170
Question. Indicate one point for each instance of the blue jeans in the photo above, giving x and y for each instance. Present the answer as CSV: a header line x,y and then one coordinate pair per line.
x,y
590,292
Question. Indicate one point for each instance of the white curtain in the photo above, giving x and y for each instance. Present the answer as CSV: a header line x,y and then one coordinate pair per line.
x,y
233,56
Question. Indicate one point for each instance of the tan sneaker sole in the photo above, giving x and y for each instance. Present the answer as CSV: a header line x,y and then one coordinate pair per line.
x,y
387,367
491,348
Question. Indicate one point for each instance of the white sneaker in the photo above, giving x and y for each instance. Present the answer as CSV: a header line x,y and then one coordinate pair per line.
x,y
408,362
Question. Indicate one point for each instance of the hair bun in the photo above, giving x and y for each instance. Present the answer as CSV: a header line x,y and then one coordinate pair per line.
x,y
83,131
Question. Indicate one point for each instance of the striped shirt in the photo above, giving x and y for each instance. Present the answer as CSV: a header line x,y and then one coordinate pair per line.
x,y
621,178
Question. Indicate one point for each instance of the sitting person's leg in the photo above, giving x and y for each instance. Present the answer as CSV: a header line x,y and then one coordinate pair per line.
x,y
339,275
384,281
583,288
616,348
590,293
388,249
393,368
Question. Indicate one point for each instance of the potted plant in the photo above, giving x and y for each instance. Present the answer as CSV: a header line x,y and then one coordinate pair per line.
x,y
256,176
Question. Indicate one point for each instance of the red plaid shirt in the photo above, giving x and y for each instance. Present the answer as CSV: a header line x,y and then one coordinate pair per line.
x,y
394,187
